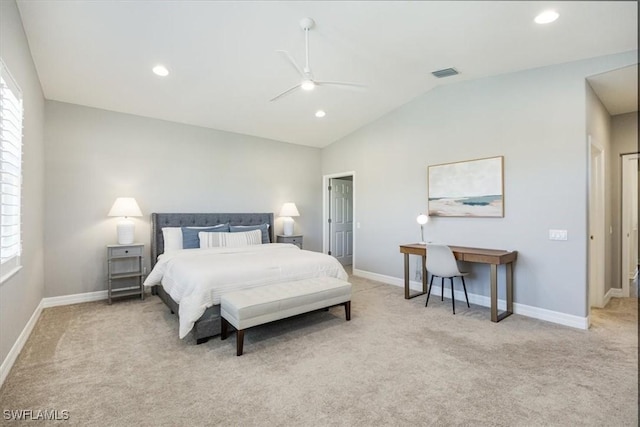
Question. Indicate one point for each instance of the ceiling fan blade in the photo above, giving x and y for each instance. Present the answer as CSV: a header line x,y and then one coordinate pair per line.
x,y
292,61
286,92
339,84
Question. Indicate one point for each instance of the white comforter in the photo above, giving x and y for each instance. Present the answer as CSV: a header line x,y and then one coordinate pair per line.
x,y
196,278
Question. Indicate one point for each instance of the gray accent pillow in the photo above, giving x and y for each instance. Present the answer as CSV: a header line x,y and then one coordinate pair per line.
x,y
190,239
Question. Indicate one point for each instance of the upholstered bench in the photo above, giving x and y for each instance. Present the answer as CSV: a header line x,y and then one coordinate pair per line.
x,y
252,307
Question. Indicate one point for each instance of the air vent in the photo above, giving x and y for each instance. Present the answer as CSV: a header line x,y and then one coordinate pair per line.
x,y
445,72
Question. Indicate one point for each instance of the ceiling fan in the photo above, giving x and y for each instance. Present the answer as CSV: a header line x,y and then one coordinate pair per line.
x,y
308,82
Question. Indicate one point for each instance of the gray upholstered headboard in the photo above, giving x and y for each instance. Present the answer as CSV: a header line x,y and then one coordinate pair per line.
x,y
159,220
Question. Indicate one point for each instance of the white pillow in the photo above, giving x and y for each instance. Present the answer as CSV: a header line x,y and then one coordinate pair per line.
x,y
172,237
230,240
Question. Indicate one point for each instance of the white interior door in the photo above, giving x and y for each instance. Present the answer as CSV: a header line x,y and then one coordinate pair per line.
x,y
341,220
629,220
596,225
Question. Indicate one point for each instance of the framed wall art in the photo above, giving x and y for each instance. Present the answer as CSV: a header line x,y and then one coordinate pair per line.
x,y
472,188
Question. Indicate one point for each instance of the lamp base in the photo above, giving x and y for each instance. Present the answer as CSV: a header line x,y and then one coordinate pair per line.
x,y
126,231
287,224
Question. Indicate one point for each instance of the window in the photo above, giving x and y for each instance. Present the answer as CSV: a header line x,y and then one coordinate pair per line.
x,y
10,173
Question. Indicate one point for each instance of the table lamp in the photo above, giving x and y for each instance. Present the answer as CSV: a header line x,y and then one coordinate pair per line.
x,y
288,210
125,207
422,220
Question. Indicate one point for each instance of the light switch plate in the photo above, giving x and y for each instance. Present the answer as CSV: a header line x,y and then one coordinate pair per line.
x,y
558,235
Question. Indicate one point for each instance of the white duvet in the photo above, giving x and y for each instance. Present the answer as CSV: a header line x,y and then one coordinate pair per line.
x,y
196,278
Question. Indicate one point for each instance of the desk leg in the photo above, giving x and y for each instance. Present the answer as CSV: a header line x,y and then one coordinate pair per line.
x,y
406,276
509,268
495,317
494,293
407,290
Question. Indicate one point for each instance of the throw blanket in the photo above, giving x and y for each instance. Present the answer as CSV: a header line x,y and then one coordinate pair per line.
x,y
196,278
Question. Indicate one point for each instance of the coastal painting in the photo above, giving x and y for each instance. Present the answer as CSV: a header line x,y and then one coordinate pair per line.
x,y
472,188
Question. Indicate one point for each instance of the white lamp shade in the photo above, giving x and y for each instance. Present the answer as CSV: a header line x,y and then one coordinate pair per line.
x,y
125,206
289,209
422,219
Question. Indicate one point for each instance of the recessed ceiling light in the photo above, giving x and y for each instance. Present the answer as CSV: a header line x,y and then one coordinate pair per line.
x,y
320,114
546,17
160,70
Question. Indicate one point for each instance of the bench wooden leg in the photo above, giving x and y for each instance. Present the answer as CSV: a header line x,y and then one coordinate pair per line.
x,y
347,310
224,327
239,342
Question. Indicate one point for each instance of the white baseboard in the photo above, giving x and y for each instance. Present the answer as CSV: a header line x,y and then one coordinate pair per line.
x,y
606,299
74,299
8,361
485,301
615,293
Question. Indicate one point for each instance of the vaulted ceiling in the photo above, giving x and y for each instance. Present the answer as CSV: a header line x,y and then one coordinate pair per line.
x,y
224,68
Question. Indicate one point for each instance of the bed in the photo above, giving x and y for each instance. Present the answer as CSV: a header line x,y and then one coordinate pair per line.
x,y
196,278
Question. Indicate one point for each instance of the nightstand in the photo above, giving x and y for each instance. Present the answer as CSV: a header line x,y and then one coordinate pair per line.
x,y
296,239
125,270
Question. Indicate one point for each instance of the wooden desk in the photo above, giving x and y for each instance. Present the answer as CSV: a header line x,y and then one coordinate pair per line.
x,y
494,257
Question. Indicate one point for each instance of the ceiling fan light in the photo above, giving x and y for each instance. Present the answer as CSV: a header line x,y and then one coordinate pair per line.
x,y
307,85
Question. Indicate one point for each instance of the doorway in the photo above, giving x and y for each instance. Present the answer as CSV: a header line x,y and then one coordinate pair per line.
x,y
629,228
339,213
596,226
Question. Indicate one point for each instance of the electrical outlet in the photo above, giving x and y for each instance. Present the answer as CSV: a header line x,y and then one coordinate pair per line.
x,y
558,235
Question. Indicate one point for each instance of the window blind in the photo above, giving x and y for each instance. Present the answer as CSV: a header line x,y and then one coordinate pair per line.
x,y
11,113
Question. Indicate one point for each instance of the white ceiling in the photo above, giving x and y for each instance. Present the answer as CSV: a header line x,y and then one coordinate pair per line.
x,y
224,68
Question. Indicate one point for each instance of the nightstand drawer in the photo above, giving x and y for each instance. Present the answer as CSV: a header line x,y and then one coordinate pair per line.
x,y
125,251
295,239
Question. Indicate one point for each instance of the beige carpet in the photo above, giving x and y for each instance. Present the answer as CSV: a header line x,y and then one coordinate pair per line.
x,y
395,363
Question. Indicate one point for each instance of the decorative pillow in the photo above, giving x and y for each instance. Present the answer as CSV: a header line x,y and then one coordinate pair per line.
x,y
230,240
264,228
172,237
190,239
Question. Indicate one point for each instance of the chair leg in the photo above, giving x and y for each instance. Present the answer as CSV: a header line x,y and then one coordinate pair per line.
x,y
442,289
429,292
465,291
453,300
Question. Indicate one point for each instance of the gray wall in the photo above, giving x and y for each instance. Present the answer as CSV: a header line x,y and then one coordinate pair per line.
x,y
21,294
94,156
624,140
536,119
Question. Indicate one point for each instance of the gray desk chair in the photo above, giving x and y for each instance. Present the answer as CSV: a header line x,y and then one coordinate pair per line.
x,y
442,263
